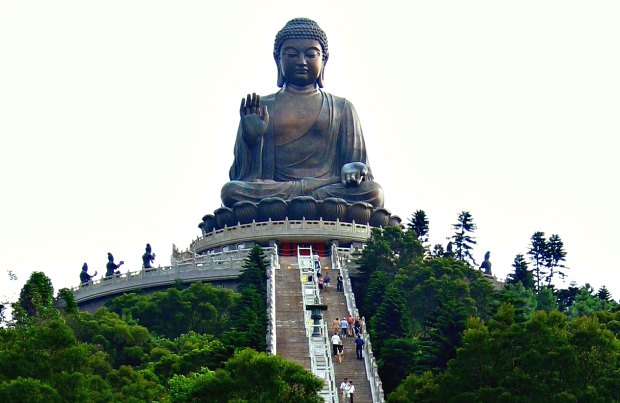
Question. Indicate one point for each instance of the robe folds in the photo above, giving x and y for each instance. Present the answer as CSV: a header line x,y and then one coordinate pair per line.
x,y
307,165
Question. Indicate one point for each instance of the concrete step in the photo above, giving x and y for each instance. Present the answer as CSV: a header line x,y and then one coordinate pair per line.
x,y
291,340
350,367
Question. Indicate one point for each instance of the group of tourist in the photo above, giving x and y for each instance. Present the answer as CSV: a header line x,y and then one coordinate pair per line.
x,y
347,327
347,389
324,281
112,268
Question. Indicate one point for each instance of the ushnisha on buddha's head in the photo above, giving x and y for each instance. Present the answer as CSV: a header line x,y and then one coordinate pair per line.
x,y
300,52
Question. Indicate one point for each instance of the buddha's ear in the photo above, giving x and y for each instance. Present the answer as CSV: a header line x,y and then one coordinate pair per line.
x,y
321,78
280,81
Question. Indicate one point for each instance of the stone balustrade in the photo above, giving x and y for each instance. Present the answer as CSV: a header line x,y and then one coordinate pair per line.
x,y
340,257
286,230
211,267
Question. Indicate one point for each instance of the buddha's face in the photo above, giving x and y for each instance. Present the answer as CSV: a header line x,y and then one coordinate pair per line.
x,y
301,61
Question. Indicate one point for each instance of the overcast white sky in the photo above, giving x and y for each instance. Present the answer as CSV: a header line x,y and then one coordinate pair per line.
x,y
118,118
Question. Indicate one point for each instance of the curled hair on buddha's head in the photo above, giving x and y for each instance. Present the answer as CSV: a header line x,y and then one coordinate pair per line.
x,y
300,28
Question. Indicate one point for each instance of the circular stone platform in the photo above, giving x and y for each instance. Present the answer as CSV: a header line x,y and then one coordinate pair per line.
x,y
306,231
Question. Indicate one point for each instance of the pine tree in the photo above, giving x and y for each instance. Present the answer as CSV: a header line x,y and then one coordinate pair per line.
x,y
438,251
391,320
522,274
603,293
538,252
445,327
463,240
566,296
554,256
254,271
419,223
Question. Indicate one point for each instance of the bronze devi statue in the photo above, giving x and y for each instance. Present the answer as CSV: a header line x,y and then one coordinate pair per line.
x,y
300,141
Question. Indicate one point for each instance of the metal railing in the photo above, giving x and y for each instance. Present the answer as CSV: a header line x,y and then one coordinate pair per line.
x,y
271,300
339,256
318,346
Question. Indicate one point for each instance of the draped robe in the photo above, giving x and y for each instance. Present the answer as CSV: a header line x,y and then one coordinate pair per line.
x,y
307,165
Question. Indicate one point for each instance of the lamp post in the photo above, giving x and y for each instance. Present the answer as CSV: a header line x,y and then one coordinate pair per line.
x,y
315,313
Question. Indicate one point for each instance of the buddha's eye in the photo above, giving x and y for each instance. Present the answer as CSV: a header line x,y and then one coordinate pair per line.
x,y
311,54
291,54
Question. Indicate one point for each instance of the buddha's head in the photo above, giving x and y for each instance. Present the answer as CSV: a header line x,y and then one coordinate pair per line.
x,y
300,51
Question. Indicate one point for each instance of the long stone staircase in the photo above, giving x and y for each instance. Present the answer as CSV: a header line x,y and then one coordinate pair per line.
x,y
350,367
292,341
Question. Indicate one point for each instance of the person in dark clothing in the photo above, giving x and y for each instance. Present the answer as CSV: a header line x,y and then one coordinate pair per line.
x,y
359,346
357,326
339,285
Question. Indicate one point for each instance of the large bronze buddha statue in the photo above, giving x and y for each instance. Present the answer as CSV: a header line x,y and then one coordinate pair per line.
x,y
300,141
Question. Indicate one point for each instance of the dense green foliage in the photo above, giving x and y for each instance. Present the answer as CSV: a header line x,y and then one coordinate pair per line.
x,y
177,345
441,332
546,358
417,306
248,377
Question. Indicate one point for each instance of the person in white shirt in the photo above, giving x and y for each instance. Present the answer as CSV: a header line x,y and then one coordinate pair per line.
x,y
344,386
335,343
350,391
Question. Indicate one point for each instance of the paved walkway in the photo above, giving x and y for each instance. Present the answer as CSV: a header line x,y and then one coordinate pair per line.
x,y
350,367
291,340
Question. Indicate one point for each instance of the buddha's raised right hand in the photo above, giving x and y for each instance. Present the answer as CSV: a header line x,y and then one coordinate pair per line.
x,y
254,118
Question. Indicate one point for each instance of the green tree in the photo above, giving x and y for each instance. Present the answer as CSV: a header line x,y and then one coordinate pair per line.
x,y
543,359
444,330
554,256
587,303
201,308
603,293
249,376
419,224
391,320
438,251
522,299
386,251
70,305
254,273
521,274
566,297
463,240
36,299
375,295
546,300
399,358
27,390
538,253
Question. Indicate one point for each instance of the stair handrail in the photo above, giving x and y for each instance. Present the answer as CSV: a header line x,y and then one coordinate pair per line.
x,y
271,300
329,392
372,374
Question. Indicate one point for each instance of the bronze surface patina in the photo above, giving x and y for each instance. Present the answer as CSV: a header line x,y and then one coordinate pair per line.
x,y
300,141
